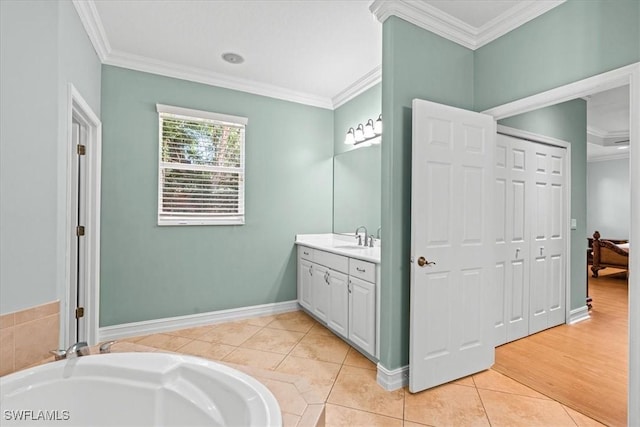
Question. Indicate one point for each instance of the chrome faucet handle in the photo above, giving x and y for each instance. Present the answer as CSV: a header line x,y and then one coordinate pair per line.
x,y
359,239
370,241
105,347
59,354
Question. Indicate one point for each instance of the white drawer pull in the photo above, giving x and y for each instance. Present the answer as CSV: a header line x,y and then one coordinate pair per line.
x,y
361,270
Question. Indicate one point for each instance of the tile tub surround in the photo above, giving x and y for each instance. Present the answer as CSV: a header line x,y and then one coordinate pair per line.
x,y
282,351
27,336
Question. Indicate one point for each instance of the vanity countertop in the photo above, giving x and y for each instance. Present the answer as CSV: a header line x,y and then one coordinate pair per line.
x,y
341,244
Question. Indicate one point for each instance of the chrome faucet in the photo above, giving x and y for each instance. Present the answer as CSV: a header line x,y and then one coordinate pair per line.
x,y
76,350
80,349
359,237
378,232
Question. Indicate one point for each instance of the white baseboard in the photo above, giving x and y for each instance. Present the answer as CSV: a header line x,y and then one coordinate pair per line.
x,y
578,315
393,380
180,322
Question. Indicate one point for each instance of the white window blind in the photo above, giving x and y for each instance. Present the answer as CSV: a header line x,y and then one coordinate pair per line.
x,y
201,167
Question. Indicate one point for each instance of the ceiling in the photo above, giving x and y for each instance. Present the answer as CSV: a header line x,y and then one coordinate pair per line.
x,y
608,124
316,52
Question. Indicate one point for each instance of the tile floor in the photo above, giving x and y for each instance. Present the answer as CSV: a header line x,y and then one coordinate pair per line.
x,y
306,366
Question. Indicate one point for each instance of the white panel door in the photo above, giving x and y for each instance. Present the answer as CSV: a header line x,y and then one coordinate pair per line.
x,y
548,278
338,313
513,196
452,244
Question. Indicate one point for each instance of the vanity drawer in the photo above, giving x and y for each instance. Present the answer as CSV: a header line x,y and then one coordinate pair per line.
x,y
362,269
333,261
305,253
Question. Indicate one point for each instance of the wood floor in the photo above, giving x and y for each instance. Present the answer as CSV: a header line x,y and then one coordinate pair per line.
x,y
583,366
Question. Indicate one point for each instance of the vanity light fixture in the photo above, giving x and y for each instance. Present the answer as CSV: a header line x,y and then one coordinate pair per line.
x,y
365,134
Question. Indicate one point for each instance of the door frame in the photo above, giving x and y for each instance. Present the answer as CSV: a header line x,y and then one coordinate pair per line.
x,y
79,109
580,314
630,75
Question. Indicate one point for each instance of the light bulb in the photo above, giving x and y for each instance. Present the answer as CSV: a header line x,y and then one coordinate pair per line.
x,y
368,129
350,139
377,127
359,135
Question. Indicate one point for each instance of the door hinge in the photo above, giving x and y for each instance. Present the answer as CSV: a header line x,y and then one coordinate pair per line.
x,y
80,230
82,149
79,312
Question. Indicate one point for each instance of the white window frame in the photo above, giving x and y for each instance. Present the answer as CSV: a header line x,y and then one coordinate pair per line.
x,y
236,218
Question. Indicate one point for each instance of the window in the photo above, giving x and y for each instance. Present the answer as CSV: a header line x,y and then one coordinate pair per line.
x,y
201,167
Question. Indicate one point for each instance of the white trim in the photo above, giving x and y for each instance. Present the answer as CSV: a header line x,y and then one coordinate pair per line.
x,y
394,379
578,315
630,75
602,133
190,113
606,157
147,327
367,81
77,107
93,26
438,22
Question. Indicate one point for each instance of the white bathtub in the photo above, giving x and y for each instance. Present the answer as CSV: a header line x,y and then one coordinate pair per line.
x,y
136,389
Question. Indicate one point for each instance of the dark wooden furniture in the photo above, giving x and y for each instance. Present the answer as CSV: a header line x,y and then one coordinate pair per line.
x,y
607,253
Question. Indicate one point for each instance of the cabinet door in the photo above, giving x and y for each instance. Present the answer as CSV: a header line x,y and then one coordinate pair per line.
x,y
338,315
362,314
320,291
305,276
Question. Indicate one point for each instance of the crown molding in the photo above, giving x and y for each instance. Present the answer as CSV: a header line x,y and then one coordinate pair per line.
x,y
606,157
93,26
199,75
365,82
95,30
602,133
436,21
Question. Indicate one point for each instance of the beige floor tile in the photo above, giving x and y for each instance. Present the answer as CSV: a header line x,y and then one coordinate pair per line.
x,y
290,420
234,333
468,381
208,350
412,424
581,420
257,358
314,416
288,397
273,340
321,347
319,329
164,341
292,322
339,416
504,409
192,333
320,375
492,380
357,388
446,405
356,359
260,321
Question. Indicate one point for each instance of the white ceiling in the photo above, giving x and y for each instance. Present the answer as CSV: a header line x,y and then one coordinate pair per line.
x,y
319,52
608,124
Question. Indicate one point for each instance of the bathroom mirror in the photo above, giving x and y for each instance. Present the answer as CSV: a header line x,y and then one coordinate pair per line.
x,y
357,190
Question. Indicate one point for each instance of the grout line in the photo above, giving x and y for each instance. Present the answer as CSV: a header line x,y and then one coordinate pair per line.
x,y
484,408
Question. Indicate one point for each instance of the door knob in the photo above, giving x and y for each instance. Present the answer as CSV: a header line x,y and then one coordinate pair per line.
x,y
422,261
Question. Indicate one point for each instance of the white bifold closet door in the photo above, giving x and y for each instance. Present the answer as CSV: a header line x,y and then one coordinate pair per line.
x,y
530,224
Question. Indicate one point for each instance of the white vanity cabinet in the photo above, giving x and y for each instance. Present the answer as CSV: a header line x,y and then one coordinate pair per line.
x,y
340,292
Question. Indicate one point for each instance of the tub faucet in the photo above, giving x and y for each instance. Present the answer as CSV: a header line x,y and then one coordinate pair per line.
x,y
76,350
105,347
359,237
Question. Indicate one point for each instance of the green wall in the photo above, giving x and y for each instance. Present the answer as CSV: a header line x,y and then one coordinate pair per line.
x,y
415,64
571,42
43,47
568,122
151,272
